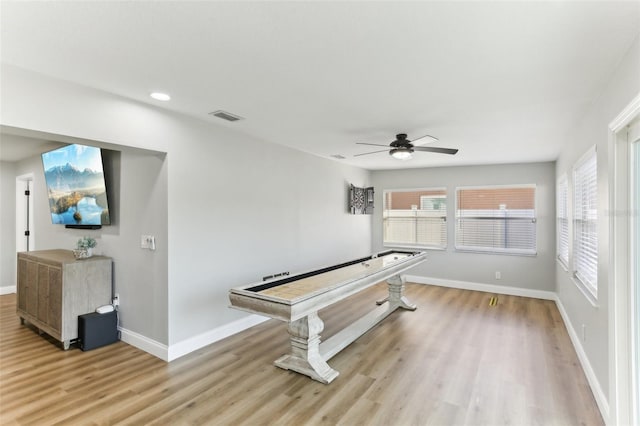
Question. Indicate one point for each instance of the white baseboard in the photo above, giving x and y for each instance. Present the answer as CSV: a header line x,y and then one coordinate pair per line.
x,y
488,288
596,388
196,342
169,353
7,290
144,343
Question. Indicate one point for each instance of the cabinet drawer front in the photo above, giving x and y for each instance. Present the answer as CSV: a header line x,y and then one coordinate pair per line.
x,y
43,293
22,285
31,303
55,299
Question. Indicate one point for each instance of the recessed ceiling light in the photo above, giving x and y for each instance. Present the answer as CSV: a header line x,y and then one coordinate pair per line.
x,y
160,96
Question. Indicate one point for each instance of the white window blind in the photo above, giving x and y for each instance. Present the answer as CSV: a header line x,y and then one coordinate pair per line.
x,y
585,225
415,218
562,220
497,219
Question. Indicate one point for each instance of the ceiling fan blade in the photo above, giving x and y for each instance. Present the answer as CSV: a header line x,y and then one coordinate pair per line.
x,y
367,153
436,149
372,144
425,136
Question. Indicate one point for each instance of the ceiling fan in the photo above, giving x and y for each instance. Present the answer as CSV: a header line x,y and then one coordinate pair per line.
x,y
403,149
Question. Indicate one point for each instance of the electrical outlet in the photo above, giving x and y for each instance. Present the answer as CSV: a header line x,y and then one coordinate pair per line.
x,y
116,300
498,275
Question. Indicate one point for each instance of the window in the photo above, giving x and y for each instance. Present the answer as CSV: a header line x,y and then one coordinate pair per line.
x,y
562,220
496,219
585,216
415,218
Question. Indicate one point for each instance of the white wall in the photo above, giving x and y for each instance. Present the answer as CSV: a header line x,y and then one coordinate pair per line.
x,y
239,218
592,130
238,208
7,226
527,272
142,275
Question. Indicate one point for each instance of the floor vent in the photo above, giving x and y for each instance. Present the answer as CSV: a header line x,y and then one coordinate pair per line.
x,y
225,115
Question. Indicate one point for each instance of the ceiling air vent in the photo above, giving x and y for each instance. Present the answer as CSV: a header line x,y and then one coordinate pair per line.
x,y
225,115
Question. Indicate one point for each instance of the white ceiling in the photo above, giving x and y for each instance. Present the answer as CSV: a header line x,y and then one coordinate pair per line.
x,y
502,81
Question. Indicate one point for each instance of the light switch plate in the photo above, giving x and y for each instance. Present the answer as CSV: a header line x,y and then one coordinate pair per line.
x,y
148,242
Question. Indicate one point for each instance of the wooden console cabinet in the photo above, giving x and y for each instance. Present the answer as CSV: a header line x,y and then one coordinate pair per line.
x,y
54,288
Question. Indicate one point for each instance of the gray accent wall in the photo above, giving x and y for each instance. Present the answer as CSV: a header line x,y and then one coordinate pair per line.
x,y
528,272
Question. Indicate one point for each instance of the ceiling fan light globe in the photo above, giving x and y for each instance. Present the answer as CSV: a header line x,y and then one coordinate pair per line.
x,y
401,153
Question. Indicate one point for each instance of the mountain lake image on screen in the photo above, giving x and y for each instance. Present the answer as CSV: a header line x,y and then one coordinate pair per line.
x,y
76,186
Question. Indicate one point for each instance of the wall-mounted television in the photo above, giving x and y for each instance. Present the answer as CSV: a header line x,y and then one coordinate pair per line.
x,y
76,187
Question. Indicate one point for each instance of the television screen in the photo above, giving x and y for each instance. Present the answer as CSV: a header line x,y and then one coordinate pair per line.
x,y
76,186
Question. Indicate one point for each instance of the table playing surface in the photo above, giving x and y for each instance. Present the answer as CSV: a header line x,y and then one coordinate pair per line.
x,y
324,281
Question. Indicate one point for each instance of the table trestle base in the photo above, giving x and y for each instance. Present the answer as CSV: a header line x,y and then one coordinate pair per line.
x,y
309,356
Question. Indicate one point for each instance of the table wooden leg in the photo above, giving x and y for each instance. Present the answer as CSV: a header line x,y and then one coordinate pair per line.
x,y
305,355
396,294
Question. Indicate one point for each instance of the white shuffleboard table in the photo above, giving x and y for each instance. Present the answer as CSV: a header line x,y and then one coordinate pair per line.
x,y
297,299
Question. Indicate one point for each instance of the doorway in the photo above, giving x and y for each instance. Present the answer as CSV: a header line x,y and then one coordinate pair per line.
x,y
634,255
25,235
624,271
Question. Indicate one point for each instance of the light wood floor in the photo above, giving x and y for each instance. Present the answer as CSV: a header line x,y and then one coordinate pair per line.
x,y
454,361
